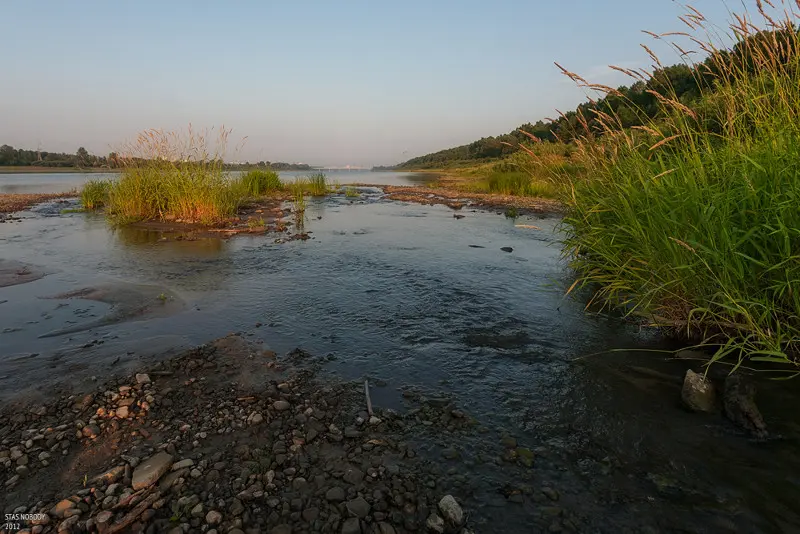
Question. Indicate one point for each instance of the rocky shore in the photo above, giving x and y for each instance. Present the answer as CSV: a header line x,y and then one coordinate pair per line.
x,y
12,202
226,438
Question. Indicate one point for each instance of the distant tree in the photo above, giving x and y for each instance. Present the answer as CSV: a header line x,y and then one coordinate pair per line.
x,y
8,155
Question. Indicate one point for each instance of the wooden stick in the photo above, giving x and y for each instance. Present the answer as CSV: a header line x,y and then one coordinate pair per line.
x,y
134,514
369,402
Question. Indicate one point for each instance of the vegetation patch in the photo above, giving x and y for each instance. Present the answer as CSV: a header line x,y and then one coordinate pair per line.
x,y
689,217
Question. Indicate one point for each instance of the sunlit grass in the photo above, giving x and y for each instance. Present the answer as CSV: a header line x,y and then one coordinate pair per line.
x,y
94,194
698,228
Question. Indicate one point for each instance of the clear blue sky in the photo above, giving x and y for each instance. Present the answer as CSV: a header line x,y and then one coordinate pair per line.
x,y
325,82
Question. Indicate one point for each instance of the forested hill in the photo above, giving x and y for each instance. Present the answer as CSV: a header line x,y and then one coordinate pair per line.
x,y
636,105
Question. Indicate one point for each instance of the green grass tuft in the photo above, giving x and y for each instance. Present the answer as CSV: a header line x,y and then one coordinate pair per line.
x,y
693,222
94,194
317,184
261,182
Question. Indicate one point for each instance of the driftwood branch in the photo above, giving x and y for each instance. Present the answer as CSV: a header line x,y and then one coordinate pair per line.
x,y
369,402
134,514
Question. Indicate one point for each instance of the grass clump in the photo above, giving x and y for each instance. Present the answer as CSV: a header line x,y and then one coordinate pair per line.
x,y
692,220
317,184
94,194
258,182
351,192
172,176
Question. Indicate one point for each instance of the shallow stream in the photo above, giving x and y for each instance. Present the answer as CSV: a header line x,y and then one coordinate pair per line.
x,y
415,299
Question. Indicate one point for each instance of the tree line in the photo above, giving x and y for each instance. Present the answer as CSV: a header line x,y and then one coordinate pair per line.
x,y
82,159
636,105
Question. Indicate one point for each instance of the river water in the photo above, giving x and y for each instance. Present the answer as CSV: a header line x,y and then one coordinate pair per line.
x,y
410,296
70,181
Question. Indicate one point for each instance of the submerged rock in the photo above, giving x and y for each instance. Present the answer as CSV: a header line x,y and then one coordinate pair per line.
x,y
698,393
507,249
740,405
451,510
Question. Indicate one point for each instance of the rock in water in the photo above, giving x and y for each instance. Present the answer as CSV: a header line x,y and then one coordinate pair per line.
x,y
507,249
698,392
451,510
435,524
148,472
740,405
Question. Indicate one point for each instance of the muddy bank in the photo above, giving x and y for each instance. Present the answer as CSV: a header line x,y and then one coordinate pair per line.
x,y
231,438
13,202
458,199
261,216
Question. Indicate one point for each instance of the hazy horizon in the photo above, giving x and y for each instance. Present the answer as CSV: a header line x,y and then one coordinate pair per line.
x,y
356,83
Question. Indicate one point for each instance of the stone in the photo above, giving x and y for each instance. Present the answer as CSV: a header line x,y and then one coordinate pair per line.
x,y
698,392
335,494
351,526
740,405
90,431
384,528
550,493
311,514
197,511
353,476
435,523
61,507
188,462
43,456
213,517
122,412
358,507
237,508
281,405
255,418
525,456
142,378
507,249
148,472
451,510
281,529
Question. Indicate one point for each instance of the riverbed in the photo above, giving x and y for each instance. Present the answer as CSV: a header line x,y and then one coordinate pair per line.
x,y
417,300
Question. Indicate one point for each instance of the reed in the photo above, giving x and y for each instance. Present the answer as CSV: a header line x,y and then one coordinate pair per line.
x,y
94,194
691,221
175,176
260,182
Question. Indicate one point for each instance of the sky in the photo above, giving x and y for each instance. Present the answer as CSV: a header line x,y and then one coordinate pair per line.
x,y
327,83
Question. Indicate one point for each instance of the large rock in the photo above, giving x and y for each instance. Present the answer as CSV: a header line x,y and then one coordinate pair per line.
x,y
148,472
698,392
358,507
451,510
740,405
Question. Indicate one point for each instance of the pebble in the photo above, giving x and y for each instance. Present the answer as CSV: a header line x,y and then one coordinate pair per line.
x,y
213,517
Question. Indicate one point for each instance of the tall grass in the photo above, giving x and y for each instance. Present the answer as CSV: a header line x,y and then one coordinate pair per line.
x,y
94,194
260,182
695,227
317,184
171,175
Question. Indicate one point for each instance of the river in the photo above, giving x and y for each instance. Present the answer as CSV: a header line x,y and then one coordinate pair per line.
x,y
414,298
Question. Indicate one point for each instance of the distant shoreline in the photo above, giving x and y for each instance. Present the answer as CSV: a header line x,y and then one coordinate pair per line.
x,y
29,169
